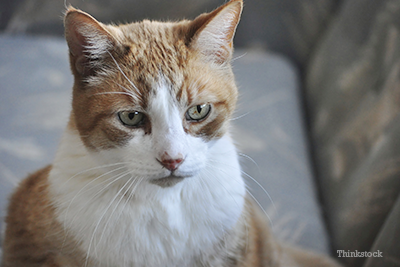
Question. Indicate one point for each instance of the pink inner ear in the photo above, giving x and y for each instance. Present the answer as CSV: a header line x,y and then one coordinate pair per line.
x,y
75,24
87,39
77,44
76,41
215,32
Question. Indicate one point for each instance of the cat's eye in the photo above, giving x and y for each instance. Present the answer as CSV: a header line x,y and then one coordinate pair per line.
x,y
131,118
198,112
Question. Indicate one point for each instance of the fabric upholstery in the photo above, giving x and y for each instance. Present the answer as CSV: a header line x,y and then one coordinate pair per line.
x,y
388,241
353,92
269,130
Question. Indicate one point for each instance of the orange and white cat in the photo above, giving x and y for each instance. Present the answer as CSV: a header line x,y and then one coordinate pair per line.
x,y
146,173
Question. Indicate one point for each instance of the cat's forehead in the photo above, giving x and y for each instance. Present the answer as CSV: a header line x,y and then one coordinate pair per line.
x,y
153,51
155,47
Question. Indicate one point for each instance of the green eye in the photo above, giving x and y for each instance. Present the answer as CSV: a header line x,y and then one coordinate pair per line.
x,y
131,118
199,112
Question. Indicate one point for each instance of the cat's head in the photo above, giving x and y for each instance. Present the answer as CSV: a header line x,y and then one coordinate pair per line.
x,y
155,95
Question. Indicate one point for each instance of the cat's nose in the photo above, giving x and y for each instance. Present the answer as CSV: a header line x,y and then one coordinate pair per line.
x,y
171,163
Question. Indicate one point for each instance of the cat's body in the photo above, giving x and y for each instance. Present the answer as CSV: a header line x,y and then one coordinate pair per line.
x,y
146,173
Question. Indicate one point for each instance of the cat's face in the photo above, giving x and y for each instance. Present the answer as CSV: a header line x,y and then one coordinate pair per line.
x,y
153,95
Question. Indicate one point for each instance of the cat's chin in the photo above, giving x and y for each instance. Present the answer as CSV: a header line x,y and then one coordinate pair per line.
x,y
168,181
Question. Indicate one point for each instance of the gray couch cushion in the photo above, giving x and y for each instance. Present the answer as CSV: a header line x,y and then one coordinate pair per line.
x,y
270,130
35,94
353,95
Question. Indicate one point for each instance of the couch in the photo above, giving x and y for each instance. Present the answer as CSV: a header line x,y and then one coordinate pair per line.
x,y
317,123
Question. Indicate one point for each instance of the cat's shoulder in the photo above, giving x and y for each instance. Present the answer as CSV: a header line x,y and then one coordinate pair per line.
x,y
35,184
30,203
31,229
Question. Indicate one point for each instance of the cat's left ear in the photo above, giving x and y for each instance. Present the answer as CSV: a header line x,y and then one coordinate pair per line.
x,y
88,41
214,32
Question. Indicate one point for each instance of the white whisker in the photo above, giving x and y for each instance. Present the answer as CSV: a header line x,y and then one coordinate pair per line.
x,y
239,57
262,188
255,181
203,190
114,179
246,225
97,178
132,182
92,169
98,223
137,182
250,158
114,93
266,214
241,116
80,191
126,77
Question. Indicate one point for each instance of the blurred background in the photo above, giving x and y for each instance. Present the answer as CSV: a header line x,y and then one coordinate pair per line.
x,y
286,26
318,122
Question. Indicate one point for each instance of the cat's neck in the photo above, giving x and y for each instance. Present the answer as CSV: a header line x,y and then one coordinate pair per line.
x,y
169,226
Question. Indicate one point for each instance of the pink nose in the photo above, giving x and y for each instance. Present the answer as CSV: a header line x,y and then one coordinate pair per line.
x,y
171,163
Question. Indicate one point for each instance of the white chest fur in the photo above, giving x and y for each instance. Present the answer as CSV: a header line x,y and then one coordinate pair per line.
x,y
141,224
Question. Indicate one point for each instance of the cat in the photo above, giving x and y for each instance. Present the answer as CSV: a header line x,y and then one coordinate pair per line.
x,y
146,173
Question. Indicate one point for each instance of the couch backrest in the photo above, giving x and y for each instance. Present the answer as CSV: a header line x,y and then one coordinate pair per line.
x,y
353,93
287,26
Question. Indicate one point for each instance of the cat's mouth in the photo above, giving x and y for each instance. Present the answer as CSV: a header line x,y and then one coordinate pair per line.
x,y
168,181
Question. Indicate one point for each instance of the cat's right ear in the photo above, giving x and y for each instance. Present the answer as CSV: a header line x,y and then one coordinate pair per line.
x,y
88,41
212,33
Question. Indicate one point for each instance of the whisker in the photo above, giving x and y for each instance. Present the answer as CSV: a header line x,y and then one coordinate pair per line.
x,y
253,197
92,181
258,203
123,87
134,97
202,182
98,177
254,180
92,169
126,77
114,93
245,223
225,189
114,179
131,181
262,188
251,159
98,224
241,116
80,191
239,57
137,182
127,92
